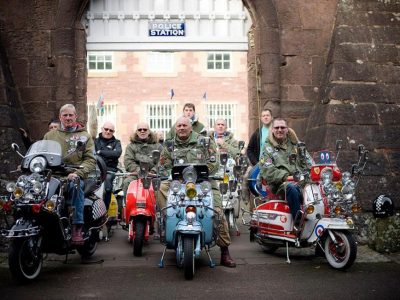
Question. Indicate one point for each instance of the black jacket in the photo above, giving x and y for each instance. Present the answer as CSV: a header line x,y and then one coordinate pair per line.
x,y
109,149
253,149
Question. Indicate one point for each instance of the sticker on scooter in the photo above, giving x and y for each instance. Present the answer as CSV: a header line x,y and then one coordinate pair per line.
x,y
319,230
325,157
283,219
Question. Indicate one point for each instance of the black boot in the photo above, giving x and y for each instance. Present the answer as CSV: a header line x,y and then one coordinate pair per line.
x,y
226,259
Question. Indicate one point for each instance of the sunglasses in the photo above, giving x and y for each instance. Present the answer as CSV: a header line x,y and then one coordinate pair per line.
x,y
280,127
142,129
108,129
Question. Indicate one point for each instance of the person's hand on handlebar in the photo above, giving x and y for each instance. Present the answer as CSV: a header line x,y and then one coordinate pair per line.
x,y
72,176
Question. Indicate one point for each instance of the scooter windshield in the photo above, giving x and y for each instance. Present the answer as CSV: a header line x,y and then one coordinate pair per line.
x,y
50,150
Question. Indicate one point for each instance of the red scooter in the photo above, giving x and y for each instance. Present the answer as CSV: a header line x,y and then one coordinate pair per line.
x,y
140,209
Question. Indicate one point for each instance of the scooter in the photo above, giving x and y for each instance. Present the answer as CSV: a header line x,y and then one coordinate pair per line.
x,y
188,223
325,220
232,173
140,207
42,214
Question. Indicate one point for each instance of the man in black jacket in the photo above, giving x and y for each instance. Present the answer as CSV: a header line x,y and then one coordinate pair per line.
x,y
109,148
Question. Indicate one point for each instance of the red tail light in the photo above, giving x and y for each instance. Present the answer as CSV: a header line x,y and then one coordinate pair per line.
x,y
191,208
36,208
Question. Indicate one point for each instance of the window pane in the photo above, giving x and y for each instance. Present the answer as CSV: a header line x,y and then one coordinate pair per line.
x,y
227,65
100,65
210,56
226,56
108,65
210,65
92,66
218,65
218,56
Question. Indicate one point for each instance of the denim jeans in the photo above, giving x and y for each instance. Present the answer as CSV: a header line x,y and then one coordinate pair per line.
x,y
77,201
293,198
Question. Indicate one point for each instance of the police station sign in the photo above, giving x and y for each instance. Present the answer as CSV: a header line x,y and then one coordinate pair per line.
x,y
162,28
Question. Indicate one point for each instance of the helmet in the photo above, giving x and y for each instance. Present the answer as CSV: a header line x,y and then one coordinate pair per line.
x,y
383,207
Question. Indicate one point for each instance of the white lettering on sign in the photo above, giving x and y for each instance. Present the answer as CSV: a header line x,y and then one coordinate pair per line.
x,y
166,29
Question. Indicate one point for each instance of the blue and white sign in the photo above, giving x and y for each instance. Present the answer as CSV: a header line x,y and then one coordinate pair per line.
x,y
163,28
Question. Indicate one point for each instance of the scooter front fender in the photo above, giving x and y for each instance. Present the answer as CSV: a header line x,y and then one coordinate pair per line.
x,y
329,224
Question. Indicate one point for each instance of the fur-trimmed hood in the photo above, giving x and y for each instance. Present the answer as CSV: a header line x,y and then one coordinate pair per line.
x,y
151,139
291,136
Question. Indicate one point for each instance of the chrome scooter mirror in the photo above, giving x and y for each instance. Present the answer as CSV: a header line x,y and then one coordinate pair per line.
x,y
156,182
155,155
223,188
292,158
169,144
15,148
241,145
223,158
339,144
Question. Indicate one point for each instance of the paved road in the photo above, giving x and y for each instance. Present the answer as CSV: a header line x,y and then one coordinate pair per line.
x,y
115,274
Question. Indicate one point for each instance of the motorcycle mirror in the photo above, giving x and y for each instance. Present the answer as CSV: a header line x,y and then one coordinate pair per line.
x,y
15,147
338,145
302,149
144,167
170,145
146,183
80,145
156,156
241,145
223,188
353,169
361,149
292,158
223,158
366,157
232,184
156,182
236,171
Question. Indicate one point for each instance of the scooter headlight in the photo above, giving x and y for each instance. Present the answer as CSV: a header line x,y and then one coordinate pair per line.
x,y
37,187
38,164
175,186
191,191
18,192
11,186
205,187
50,205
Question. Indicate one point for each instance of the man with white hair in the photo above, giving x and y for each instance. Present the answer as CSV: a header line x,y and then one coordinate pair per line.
x,y
108,148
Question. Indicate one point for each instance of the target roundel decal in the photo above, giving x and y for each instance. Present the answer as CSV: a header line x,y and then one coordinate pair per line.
x,y
319,230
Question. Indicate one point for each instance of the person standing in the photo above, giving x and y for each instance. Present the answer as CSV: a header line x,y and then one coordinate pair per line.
x,y
69,136
224,139
189,111
258,138
108,148
187,138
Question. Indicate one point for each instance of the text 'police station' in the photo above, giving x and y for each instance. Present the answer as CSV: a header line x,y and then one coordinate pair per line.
x,y
166,29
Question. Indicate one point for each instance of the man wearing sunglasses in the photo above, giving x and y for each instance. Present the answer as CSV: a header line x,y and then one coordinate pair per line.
x,y
108,148
142,143
275,166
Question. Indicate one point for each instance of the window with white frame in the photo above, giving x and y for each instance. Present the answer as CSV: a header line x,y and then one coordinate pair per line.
x,y
160,62
100,61
161,116
107,113
219,61
226,111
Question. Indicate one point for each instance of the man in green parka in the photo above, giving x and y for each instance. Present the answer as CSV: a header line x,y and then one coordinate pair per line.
x,y
275,166
69,136
187,150
224,139
143,142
